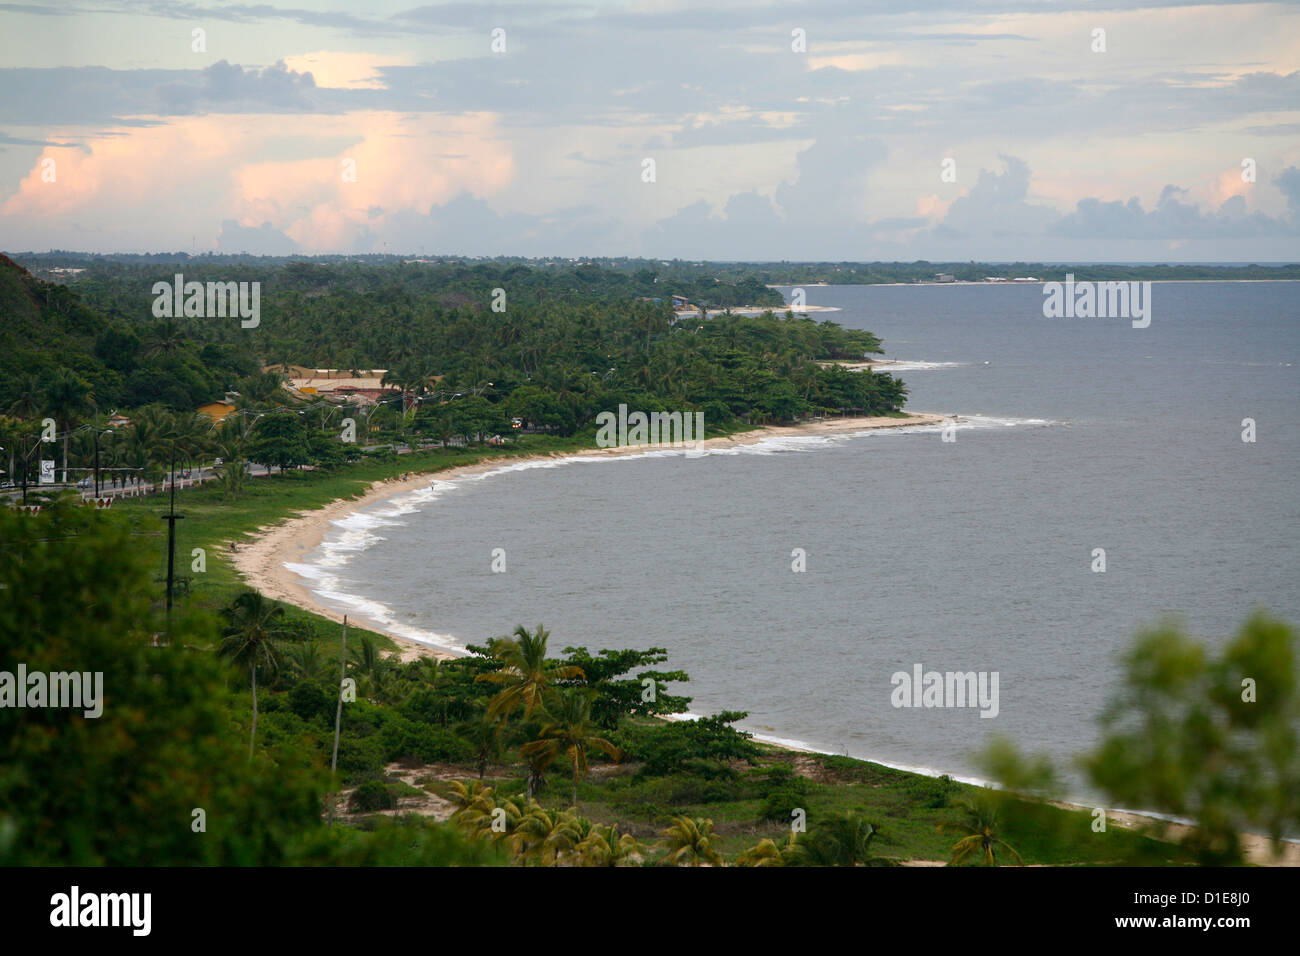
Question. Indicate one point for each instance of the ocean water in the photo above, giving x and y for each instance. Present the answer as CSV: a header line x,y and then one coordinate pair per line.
x,y
971,555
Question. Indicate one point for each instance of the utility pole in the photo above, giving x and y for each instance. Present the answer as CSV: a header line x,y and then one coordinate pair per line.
x,y
24,471
97,461
338,717
172,517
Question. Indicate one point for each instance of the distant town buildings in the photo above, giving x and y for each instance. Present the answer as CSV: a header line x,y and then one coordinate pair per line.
x,y
364,386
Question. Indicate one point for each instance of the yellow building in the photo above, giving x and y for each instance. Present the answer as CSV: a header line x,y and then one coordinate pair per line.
x,y
217,411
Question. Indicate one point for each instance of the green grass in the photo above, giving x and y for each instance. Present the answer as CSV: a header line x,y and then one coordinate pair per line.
x,y
905,808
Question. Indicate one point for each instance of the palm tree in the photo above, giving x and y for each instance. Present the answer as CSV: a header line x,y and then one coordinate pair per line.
x,y
166,340
230,445
484,734
474,805
606,846
68,396
981,829
569,731
152,429
547,836
27,391
842,840
307,661
377,672
254,629
525,673
765,853
689,842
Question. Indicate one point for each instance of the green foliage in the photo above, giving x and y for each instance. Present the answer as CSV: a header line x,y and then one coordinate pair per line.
x,y
370,796
310,701
406,842
665,748
840,840
1213,738
120,789
280,439
409,740
618,698
781,778
779,805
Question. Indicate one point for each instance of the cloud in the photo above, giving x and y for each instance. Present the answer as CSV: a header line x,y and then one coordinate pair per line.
x,y
260,241
997,205
1174,218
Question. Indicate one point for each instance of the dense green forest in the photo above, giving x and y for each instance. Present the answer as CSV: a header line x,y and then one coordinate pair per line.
x,y
558,347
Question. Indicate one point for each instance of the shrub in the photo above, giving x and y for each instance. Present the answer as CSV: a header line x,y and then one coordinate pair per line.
x,y
780,804
309,701
779,778
405,739
372,795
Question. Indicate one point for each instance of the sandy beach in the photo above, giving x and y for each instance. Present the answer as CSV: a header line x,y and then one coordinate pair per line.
x,y
261,558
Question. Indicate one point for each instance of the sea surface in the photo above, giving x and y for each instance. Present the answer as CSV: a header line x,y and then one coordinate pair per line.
x,y
970,555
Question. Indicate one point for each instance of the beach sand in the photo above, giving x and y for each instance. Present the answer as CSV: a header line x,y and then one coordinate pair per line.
x,y
261,560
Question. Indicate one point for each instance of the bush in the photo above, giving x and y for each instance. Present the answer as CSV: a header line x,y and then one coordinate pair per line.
x,y
666,749
781,778
405,739
360,756
309,701
372,795
780,805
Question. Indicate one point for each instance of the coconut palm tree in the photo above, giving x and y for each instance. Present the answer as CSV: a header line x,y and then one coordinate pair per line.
x,y
980,833
377,675
765,853
484,734
605,846
474,805
689,842
68,396
546,836
166,339
27,392
842,840
230,444
307,661
525,674
570,731
148,443
255,627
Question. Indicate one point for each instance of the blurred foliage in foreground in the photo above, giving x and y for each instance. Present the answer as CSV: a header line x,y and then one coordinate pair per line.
x,y
122,789
1208,739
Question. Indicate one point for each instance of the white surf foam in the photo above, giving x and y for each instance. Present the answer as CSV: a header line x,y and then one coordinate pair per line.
x,y
915,365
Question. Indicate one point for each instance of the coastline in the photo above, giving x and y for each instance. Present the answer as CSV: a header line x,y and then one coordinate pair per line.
x,y
261,559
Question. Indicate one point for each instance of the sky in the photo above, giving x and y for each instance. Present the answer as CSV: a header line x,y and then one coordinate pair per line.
x,y
991,130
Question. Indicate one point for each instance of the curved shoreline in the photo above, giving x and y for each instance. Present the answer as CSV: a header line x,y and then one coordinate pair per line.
x,y
262,561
